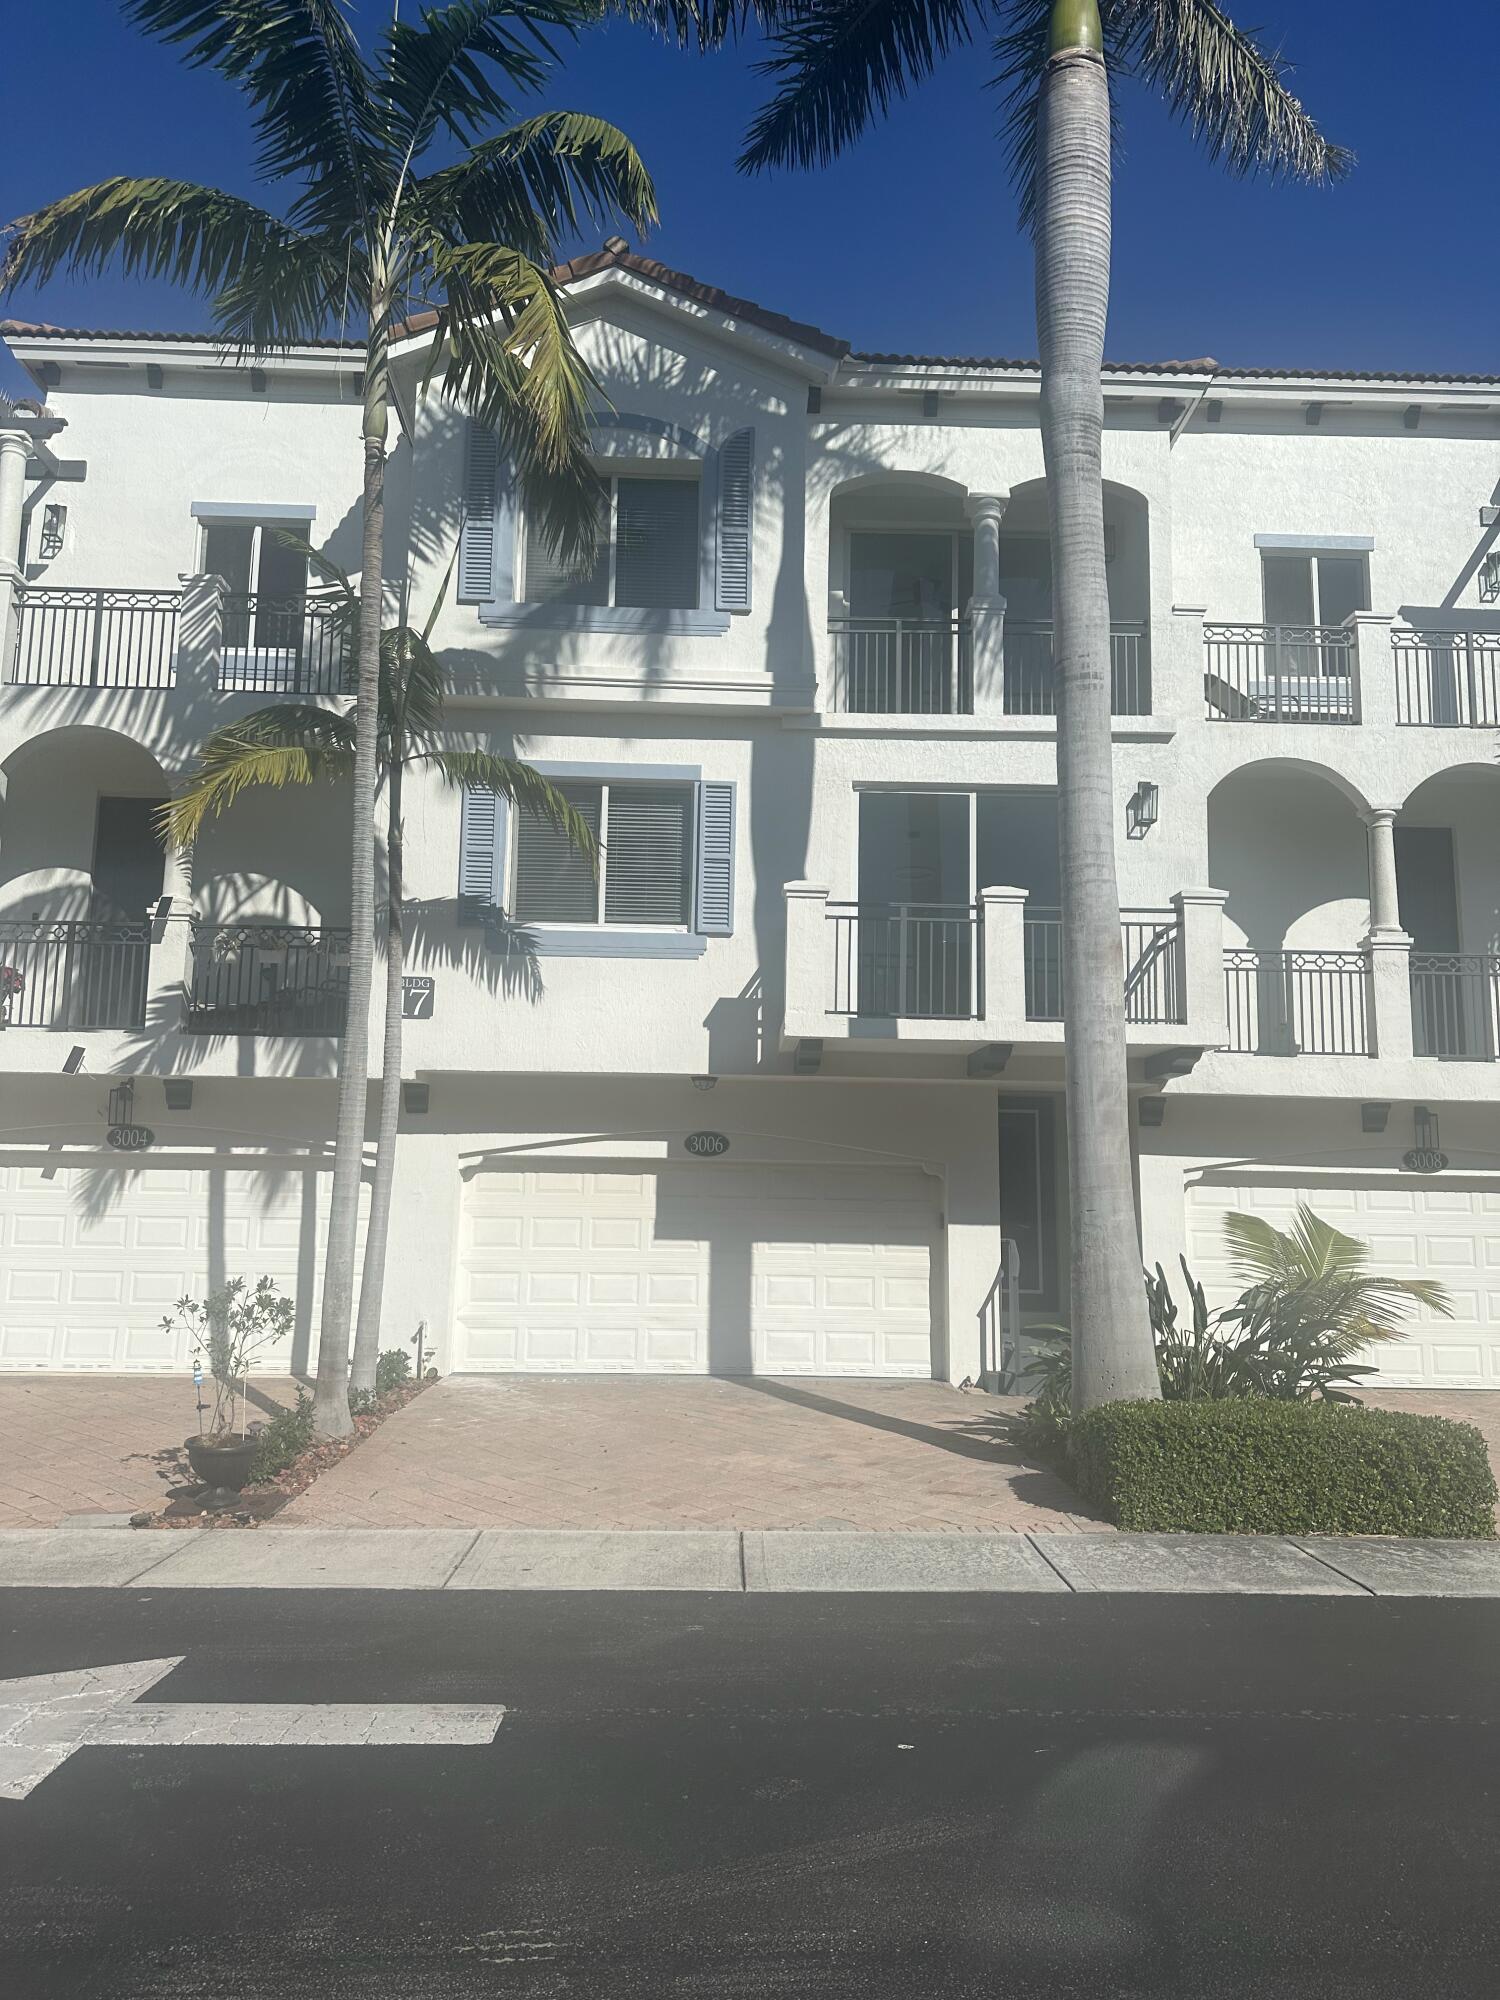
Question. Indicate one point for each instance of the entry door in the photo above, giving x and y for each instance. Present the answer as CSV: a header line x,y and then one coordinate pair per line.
x,y
904,593
915,944
129,860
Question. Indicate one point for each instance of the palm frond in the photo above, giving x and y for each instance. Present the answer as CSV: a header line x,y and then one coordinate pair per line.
x,y
1315,1276
838,65
317,118
1231,92
700,24
290,744
523,786
199,237
292,286
444,74
323,565
542,180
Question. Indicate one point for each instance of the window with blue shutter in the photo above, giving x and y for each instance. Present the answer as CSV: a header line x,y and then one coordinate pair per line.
x,y
555,884
476,544
481,848
714,898
736,522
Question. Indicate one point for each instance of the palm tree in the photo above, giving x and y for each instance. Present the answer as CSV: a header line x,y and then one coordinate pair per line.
x,y
294,743
365,238
837,65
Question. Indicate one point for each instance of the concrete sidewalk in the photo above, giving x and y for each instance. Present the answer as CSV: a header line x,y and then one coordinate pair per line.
x,y
499,1559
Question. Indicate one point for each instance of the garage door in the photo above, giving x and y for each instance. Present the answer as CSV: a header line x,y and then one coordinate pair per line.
x,y
687,1270
92,1258
1448,1231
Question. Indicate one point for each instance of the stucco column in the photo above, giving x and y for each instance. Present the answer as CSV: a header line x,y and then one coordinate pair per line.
x,y
200,637
810,946
15,449
1200,919
1385,899
1373,664
986,608
1178,666
1003,915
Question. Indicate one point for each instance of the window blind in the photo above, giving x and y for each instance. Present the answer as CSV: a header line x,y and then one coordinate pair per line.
x,y
648,854
656,543
550,580
554,883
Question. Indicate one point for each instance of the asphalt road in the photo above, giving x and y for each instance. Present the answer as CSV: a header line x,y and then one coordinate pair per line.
x,y
940,1796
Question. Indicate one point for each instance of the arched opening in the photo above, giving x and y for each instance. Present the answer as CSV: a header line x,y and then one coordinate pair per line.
x,y
1026,585
900,576
1449,890
1288,846
82,868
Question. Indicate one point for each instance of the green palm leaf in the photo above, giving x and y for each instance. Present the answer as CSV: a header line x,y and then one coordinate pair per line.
x,y
544,178
443,73
289,744
523,786
1315,1277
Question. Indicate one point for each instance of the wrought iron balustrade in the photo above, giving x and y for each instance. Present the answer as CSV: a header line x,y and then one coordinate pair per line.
x,y
94,638
1455,1005
73,973
905,961
1152,944
1447,680
267,979
287,645
902,666
1287,1003
1279,673
1031,678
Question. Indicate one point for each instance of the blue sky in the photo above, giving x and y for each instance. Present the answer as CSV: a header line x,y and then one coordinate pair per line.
x,y
911,241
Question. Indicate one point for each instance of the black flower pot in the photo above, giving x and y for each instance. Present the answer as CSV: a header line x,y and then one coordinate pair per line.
x,y
225,1464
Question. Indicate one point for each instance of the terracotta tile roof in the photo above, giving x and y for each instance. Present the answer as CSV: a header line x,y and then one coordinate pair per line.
x,y
617,255
22,329
1203,365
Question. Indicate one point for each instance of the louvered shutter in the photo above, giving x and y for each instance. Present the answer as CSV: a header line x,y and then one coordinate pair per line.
x,y
714,897
648,847
481,847
550,580
656,544
476,544
736,522
555,884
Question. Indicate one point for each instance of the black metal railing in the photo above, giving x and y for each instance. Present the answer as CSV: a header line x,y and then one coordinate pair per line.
x,y
73,973
287,645
905,961
1279,673
902,666
94,638
1031,679
1291,1003
1455,1005
1152,943
1447,680
267,979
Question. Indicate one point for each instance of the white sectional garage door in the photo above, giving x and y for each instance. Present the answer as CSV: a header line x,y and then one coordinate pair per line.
x,y
680,1270
92,1258
1448,1229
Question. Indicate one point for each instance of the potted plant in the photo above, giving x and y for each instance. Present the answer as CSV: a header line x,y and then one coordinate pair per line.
x,y
12,981
228,1330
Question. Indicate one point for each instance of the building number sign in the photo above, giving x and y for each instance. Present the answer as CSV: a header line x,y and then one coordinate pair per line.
x,y
130,1138
706,1145
416,997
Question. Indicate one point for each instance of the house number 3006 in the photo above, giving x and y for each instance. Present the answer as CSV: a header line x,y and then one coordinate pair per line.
x,y
706,1145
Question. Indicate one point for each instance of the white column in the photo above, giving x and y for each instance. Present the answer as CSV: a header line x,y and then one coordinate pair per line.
x,y
15,449
809,961
1385,900
1003,915
200,637
1373,665
986,608
1178,665
1200,917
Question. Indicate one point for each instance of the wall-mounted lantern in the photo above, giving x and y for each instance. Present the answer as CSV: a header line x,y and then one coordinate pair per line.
x,y
1141,812
1489,577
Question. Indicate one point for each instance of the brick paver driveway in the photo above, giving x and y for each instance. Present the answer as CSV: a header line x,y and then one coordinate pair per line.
x,y
89,1444
700,1452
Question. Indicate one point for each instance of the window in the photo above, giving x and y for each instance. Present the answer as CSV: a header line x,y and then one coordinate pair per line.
x,y
645,868
251,556
648,550
1308,587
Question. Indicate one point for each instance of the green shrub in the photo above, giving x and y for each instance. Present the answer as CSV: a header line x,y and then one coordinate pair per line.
x,y
1256,1466
392,1370
284,1438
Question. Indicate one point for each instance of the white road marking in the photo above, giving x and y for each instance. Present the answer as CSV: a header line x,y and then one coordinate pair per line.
x,y
45,1718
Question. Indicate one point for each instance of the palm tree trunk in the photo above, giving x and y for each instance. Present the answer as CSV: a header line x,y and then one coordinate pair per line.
x,y
377,1230
1112,1349
331,1402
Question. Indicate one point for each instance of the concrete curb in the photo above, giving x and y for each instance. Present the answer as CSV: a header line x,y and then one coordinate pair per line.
x,y
782,1560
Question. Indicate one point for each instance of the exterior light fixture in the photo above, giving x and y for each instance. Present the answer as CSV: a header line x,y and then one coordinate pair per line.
x,y
703,1082
1427,1155
1374,1117
122,1103
416,1098
54,530
1143,808
178,1091
1489,577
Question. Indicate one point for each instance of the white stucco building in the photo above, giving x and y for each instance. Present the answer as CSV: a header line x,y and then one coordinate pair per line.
x,y
806,698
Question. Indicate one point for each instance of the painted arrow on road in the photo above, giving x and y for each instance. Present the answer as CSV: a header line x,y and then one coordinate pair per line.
x,y
45,1718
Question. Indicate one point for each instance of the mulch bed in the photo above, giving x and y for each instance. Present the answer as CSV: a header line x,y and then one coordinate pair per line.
x,y
258,1503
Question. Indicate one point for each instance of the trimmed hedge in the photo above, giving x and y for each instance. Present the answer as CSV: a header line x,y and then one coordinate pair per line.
x,y
1255,1466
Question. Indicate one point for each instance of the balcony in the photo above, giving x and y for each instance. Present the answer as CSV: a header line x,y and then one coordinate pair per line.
x,y
937,976
1289,1003
71,974
1447,680
1279,673
1030,678
105,639
1455,1005
901,666
267,979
